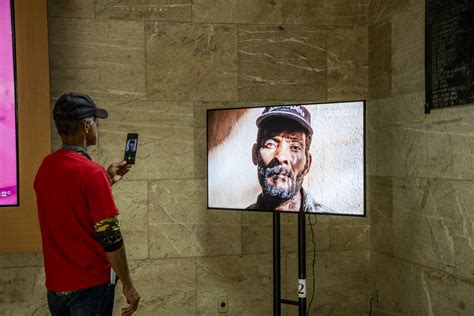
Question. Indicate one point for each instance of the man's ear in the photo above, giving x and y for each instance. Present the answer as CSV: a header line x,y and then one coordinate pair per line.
x,y
254,154
309,160
85,126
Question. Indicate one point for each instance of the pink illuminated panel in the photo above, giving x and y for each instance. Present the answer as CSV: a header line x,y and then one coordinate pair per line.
x,y
8,137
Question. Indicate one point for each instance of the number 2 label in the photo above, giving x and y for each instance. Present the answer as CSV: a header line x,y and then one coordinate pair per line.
x,y
302,288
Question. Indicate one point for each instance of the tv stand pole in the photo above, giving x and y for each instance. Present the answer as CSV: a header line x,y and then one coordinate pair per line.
x,y
277,300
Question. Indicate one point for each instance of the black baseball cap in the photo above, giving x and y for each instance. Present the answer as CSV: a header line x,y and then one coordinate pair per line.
x,y
76,106
298,113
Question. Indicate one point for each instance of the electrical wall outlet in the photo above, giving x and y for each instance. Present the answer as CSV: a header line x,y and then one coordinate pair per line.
x,y
222,304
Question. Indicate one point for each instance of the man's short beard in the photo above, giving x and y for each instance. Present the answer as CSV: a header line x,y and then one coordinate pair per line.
x,y
276,193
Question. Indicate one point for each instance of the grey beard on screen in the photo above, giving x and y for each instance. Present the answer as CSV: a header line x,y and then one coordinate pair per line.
x,y
276,193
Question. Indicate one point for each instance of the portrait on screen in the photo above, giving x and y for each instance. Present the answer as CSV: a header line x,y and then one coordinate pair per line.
x,y
288,158
131,145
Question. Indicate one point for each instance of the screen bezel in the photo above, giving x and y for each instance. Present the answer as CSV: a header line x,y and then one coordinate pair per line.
x,y
290,104
15,85
131,136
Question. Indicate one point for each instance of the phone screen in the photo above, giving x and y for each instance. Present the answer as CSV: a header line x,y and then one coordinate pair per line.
x,y
131,147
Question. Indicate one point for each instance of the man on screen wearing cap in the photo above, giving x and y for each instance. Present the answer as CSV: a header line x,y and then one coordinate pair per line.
x,y
78,218
282,157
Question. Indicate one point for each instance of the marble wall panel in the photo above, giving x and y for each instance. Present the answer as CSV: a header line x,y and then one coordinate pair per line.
x,y
430,147
282,63
463,290
382,150
380,60
327,13
166,286
200,152
246,281
257,233
441,293
347,59
454,200
24,286
464,249
444,156
400,110
237,11
21,309
165,131
71,8
408,111
398,283
181,225
432,224
425,223
410,289
347,233
408,50
342,282
380,208
191,62
105,59
148,10
131,198
380,11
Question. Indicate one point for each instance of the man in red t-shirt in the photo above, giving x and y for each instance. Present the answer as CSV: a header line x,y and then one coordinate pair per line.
x,y
82,244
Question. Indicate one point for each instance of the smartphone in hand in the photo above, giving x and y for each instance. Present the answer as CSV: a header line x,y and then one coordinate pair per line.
x,y
131,147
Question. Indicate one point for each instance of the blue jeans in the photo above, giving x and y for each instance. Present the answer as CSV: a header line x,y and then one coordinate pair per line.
x,y
94,301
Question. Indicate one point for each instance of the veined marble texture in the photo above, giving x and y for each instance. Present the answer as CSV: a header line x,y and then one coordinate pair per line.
x,y
403,141
349,233
191,62
164,288
166,146
433,224
282,63
408,50
380,60
342,281
22,290
380,11
320,12
347,58
181,225
103,58
420,183
131,200
380,207
245,280
411,289
257,228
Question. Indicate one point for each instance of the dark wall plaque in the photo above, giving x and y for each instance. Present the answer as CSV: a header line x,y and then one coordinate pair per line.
x,y
449,53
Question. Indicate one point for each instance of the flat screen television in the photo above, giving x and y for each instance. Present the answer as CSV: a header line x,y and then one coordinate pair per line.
x,y
8,119
289,158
